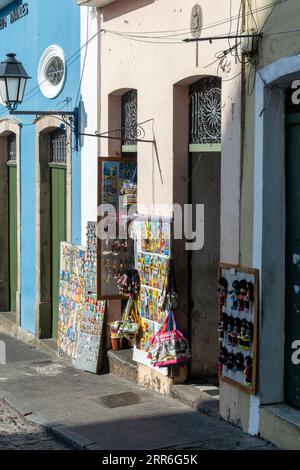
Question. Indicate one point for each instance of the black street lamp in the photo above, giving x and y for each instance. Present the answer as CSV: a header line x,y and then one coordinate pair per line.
x,y
13,79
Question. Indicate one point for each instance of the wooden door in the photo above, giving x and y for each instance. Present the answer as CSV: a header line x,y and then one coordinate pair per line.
x,y
292,312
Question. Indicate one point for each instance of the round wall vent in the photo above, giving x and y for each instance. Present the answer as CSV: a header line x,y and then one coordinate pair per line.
x,y
52,71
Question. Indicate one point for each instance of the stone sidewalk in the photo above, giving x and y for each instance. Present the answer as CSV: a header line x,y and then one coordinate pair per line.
x,y
105,412
17,434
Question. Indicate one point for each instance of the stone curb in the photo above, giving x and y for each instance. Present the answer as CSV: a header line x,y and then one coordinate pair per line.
x,y
58,431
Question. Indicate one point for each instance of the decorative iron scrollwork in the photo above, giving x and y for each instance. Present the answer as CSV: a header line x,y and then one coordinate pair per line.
x,y
58,143
130,128
11,147
205,111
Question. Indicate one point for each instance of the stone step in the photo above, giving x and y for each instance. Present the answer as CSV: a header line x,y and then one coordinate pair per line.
x,y
280,424
121,364
197,398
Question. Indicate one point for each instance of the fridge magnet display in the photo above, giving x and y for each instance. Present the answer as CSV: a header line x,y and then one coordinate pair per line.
x,y
89,337
152,261
117,187
71,292
237,294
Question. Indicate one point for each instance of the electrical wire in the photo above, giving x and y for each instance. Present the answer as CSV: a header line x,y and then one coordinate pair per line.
x,y
138,34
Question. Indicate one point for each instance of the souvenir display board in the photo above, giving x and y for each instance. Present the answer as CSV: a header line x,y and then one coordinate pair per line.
x,y
238,325
90,268
88,353
152,260
89,336
71,292
117,192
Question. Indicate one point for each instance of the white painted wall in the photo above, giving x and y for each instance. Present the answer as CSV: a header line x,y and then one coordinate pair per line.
x,y
89,121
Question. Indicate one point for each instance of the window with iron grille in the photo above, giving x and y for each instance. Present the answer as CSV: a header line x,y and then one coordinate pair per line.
x,y
12,147
205,112
58,146
129,121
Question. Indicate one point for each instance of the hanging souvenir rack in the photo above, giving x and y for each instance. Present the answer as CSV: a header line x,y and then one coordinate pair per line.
x,y
238,317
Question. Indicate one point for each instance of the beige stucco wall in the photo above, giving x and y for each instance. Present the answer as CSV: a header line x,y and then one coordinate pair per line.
x,y
162,73
153,69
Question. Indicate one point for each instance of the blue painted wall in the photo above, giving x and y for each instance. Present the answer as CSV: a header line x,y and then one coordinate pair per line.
x,y
47,23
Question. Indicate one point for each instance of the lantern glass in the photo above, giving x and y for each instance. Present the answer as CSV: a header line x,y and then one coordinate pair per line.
x,y
13,86
3,90
23,82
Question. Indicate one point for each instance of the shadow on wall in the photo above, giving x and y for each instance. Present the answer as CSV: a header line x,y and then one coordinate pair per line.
x,y
122,7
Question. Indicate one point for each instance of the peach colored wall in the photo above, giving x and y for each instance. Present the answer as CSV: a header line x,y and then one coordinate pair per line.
x,y
162,72
153,69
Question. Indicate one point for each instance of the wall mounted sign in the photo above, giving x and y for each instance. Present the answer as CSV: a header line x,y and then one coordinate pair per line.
x,y
238,326
14,15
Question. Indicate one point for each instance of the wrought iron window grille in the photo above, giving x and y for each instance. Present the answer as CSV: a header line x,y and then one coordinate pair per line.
x,y
129,118
11,148
58,147
205,111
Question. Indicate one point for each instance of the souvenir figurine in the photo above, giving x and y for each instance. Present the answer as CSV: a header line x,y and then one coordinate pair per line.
x,y
242,295
230,328
231,361
222,326
242,334
239,362
235,292
248,337
249,295
236,330
223,356
222,291
248,370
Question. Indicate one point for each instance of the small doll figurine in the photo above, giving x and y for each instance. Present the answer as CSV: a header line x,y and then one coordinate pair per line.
x,y
223,356
248,336
222,291
242,295
235,332
222,326
249,295
230,328
231,361
248,370
235,292
239,362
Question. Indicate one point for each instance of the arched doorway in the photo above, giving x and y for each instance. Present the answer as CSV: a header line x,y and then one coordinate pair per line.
x,y
53,223
204,187
9,224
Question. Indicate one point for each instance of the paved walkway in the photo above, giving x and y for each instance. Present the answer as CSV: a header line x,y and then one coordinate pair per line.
x,y
86,410
17,434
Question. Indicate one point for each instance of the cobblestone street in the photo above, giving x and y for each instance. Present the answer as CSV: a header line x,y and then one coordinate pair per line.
x,y
16,434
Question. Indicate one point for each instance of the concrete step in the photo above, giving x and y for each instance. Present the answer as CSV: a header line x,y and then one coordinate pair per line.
x,y
197,397
121,364
280,424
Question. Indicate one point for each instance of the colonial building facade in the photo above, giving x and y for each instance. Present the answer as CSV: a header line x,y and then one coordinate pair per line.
x,y
149,77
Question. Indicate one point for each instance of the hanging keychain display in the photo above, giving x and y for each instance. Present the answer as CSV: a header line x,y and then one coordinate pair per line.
x,y
237,326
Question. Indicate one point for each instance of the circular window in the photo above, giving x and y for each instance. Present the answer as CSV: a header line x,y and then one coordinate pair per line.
x,y
52,71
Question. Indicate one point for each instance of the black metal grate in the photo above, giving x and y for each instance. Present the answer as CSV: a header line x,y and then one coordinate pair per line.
x,y
11,147
205,111
58,143
129,118
121,399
